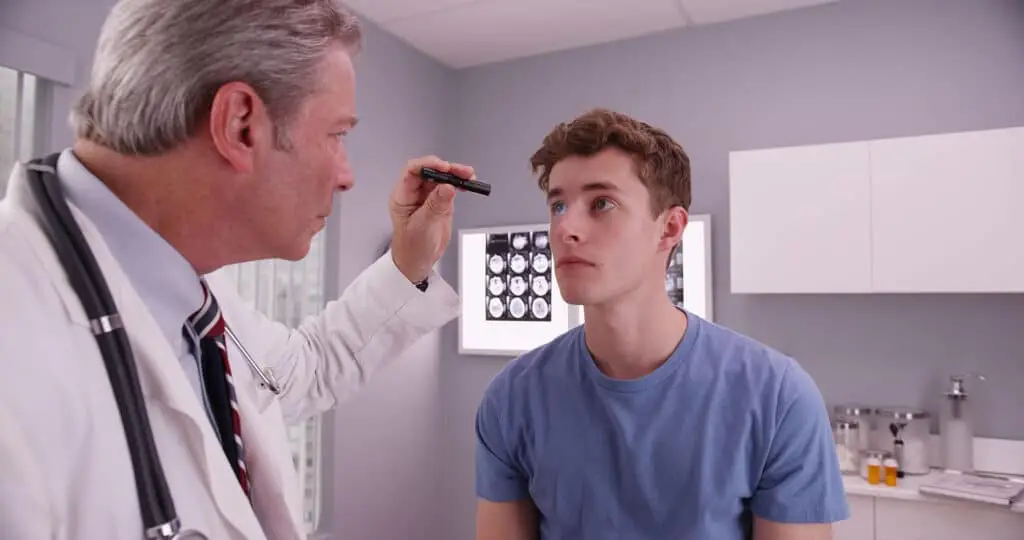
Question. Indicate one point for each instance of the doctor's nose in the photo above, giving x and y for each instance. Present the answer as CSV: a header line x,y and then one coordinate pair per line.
x,y
344,179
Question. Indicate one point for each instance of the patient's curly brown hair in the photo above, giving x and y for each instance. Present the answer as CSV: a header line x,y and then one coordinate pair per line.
x,y
661,163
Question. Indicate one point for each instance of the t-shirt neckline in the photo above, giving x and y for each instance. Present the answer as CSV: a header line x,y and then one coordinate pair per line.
x,y
677,358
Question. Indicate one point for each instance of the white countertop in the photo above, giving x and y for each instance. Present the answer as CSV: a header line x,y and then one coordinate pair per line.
x,y
907,489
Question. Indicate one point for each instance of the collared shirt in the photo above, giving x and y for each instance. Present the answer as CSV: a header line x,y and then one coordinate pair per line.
x,y
164,280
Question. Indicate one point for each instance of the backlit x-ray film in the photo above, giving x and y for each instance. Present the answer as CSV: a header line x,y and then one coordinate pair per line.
x,y
518,276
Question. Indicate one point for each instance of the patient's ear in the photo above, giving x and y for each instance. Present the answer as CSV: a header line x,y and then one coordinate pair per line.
x,y
675,222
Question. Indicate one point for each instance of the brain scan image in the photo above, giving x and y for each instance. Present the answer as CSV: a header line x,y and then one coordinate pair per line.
x,y
517,285
518,282
495,307
496,286
496,264
517,307
540,308
518,263
541,263
540,286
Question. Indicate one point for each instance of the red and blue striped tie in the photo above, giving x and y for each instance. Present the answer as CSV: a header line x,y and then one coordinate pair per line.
x,y
208,324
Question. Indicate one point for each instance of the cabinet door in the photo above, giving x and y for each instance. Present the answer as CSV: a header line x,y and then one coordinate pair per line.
x,y
861,525
948,212
935,520
800,219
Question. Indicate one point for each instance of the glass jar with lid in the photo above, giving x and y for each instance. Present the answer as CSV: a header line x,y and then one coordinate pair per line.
x,y
846,434
865,418
907,432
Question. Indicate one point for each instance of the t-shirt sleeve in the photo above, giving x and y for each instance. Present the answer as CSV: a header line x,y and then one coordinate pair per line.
x,y
498,478
801,482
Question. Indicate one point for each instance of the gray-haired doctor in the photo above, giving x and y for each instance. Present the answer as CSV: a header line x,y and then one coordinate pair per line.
x,y
212,132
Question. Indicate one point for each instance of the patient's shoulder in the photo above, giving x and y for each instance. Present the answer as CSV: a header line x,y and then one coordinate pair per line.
x,y
547,363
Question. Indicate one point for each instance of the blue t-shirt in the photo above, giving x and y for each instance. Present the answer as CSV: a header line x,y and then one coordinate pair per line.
x,y
725,429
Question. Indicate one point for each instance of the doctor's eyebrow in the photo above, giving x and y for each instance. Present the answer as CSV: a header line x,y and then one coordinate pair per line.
x,y
349,120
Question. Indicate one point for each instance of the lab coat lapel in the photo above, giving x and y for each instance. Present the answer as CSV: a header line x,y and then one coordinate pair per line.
x,y
162,380
275,483
279,511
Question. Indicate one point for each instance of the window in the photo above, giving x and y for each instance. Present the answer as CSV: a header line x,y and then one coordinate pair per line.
x,y
289,292
17,120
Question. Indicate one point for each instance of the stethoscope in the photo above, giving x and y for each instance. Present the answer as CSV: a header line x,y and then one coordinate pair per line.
x,y
159,518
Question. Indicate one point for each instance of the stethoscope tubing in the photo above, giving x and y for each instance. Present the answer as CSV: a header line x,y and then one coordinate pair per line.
x,y
156,505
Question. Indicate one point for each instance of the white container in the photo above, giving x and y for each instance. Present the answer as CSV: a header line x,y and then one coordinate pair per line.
x,y
956,430
957,445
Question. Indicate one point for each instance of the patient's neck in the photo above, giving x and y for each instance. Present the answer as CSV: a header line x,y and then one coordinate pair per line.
x,y
632,336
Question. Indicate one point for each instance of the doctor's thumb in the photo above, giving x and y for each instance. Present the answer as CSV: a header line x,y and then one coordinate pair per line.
x,y
439,202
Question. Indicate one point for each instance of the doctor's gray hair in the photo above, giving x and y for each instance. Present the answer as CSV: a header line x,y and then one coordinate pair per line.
x,y
159,63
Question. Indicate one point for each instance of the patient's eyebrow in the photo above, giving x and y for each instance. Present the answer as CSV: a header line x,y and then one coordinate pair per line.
x,y
554,193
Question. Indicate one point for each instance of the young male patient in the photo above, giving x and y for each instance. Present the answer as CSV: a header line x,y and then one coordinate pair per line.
x,y
647,422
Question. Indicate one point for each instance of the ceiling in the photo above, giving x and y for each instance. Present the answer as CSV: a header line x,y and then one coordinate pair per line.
x,y
464,33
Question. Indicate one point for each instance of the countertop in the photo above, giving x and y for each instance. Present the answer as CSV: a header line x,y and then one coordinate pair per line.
x,y
907,489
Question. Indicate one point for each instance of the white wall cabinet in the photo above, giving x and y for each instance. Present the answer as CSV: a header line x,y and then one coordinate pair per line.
x,y
801,219
937,213
947,212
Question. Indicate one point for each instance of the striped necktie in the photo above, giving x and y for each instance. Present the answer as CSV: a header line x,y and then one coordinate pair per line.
x,y
208,324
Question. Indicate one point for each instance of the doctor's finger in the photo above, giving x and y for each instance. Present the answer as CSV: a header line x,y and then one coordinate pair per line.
x,y
463,171
413,167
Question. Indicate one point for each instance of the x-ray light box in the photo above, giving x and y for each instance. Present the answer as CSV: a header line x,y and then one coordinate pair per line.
x,y
510,300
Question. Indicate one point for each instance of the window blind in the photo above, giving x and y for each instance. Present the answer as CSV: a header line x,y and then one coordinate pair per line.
x,y
289,292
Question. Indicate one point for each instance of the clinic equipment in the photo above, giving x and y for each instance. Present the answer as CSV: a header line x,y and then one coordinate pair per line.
x,y
159,517
483,188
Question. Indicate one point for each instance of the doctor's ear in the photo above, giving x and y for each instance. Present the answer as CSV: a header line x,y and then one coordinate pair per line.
x,y
238,124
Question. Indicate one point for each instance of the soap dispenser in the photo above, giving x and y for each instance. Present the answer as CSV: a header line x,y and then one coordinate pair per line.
x,y
957,426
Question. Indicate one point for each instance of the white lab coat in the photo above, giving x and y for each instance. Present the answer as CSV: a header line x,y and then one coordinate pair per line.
x,y
65,471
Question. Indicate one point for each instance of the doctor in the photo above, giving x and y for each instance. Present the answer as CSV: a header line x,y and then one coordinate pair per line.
x,y
212,132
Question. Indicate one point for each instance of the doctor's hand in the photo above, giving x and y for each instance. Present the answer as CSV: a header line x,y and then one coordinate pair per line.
x,y
421,216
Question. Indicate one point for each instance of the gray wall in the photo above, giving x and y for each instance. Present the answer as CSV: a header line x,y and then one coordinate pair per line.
x,y
382,449
854,70
386,448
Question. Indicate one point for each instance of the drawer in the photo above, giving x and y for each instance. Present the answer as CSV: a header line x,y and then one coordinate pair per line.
x,y
861,525
942,520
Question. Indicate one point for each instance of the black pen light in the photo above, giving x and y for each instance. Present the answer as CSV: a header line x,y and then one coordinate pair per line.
x,y
483,188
